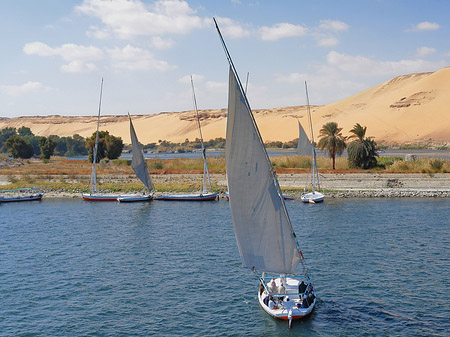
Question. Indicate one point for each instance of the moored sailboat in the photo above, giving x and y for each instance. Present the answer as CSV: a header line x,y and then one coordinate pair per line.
x,y
21,194
264,234
206,194
315,196
139,165
93,194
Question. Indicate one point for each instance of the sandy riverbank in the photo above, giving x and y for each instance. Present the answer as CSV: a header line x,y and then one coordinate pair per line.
x,y
336,185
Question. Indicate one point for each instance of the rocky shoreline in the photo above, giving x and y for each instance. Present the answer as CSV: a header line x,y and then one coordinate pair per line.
x,y
336,185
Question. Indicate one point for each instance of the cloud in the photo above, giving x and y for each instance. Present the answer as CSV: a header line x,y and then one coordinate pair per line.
x,y
292,78
69,51
78,67
231,29
132,58
280,31
216,87
327,42
127,19
161,44
424,26
79,57
364,66
24,89
425,51
187,79
333,25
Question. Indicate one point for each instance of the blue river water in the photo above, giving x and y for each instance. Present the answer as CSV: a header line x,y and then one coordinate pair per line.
x,y
73,268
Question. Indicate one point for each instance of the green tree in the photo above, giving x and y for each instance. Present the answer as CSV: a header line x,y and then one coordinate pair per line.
x,y
113,146
75,146
90,144
108,146
5,133
19,147
24,131
47,147
362,150
331,141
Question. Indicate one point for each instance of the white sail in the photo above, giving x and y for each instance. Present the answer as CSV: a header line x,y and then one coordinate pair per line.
x,y
93,183
138,162
264,233
304,146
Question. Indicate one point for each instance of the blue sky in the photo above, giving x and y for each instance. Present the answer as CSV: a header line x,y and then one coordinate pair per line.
x,y
54,52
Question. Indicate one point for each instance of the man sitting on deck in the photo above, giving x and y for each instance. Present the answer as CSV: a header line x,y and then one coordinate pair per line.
x,y
288,304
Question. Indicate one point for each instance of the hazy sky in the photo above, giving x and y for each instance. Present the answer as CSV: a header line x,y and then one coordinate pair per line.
x,y
55,52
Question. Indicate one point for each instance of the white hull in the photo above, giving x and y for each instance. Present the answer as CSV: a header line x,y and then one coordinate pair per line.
x,y
30,197
100,197
189,197
135,197
280,312
312,198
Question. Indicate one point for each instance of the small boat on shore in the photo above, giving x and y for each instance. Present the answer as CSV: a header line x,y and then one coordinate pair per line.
x,y
313,197
93,194
207,194
21,194
139,165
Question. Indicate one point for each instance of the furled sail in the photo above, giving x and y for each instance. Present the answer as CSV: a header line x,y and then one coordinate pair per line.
x,y
262,227
138,162
93,183
304,146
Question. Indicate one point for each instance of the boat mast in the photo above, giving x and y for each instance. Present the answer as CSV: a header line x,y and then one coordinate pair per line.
x,y
314,170
205,164
272,171
93,187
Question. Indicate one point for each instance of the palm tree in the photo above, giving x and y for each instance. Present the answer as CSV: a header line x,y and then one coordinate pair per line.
x,y
362,150
331,141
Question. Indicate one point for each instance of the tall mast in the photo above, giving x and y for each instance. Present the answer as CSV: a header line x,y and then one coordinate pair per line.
x,y
315,171
93,187
205,164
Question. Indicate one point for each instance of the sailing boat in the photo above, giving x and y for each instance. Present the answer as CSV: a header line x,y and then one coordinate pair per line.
x,y
304,146
140,168
207,194
264,233
93,194
314,196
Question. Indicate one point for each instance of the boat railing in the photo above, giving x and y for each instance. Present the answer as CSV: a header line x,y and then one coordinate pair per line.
x,y
307,277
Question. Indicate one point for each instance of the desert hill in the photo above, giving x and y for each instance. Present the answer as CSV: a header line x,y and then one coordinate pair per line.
x,y
407,109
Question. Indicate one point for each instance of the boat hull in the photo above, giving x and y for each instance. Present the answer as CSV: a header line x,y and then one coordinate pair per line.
x,y
312,198
135,198
100,197
32,197
283,314
189,197
287,197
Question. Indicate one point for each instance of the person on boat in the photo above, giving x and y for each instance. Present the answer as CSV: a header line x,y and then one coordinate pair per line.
x,y
272,304
281,288
305,303
261,287
272,286
266,300
301,288
288,304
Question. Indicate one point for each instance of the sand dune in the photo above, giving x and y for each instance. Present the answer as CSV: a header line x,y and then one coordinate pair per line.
x,y
407,109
